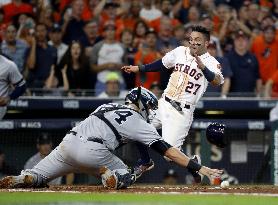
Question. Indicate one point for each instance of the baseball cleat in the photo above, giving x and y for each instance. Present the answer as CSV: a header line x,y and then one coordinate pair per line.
x,y
197,177
141,167
108,178
20,181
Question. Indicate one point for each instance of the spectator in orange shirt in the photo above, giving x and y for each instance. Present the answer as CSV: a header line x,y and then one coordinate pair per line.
x,y
271,86
14,8
92,8
265,47
146,55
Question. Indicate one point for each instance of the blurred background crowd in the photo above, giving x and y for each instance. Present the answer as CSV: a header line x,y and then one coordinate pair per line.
x,y
68,46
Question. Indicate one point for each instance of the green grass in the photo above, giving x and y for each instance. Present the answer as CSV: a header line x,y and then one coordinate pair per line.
x,y
142,199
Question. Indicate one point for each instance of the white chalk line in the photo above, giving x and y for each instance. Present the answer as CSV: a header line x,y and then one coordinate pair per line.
x,y
149,192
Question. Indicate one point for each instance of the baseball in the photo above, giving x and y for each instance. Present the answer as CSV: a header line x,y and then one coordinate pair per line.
x,y
224,184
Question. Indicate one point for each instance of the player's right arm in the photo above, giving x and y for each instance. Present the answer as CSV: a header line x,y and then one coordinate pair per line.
x,y
168,61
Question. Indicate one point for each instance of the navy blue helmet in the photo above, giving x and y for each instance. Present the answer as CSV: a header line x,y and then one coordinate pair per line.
x,y
215,134
144,99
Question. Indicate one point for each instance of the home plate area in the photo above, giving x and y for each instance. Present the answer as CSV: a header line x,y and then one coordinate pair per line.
x,y
181,189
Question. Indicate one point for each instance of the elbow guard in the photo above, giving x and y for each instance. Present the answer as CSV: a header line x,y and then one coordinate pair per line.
x,y
160,146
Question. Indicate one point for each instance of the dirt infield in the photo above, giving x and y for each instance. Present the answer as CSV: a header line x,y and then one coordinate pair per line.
x,y
256,189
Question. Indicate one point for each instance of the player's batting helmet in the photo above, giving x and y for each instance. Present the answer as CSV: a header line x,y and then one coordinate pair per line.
x,y
215,134
144,99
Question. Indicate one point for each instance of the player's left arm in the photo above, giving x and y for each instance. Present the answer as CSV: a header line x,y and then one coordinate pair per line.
x,y
165,149
215,78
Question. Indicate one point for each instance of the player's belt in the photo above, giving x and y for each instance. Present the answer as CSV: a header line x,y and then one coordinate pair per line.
x,y
176,105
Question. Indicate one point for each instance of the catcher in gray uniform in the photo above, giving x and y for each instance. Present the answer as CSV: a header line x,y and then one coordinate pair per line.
x,y
88,147
9,77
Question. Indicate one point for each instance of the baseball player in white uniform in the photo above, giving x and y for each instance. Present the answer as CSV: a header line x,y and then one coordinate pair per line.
x,y
9,77
192,69
88,147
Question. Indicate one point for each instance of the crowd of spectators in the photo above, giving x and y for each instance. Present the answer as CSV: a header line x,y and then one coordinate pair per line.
x,y
67,46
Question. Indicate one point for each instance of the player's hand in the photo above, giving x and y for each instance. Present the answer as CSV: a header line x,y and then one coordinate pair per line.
x,y
210,173
4,101
199,62
130,69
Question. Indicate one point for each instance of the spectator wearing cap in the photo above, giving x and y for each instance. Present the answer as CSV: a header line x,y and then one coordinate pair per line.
x,y
41,58
73,23
226,71
206,21
14,48
245,67
147,54
14,8
107,55
6,169
149,12
265,48
127,41
55,36
44,147
112,90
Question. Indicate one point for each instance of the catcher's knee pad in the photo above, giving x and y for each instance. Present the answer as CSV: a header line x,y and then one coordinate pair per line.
x,y
38,180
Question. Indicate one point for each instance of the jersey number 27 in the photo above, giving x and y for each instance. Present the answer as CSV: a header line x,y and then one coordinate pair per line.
x,y
192,88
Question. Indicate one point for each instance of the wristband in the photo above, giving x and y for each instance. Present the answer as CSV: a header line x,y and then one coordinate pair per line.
x,y
142,68
193,165
209,75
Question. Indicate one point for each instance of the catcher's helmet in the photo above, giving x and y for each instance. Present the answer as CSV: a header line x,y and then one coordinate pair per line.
x,y
215,134
144,99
